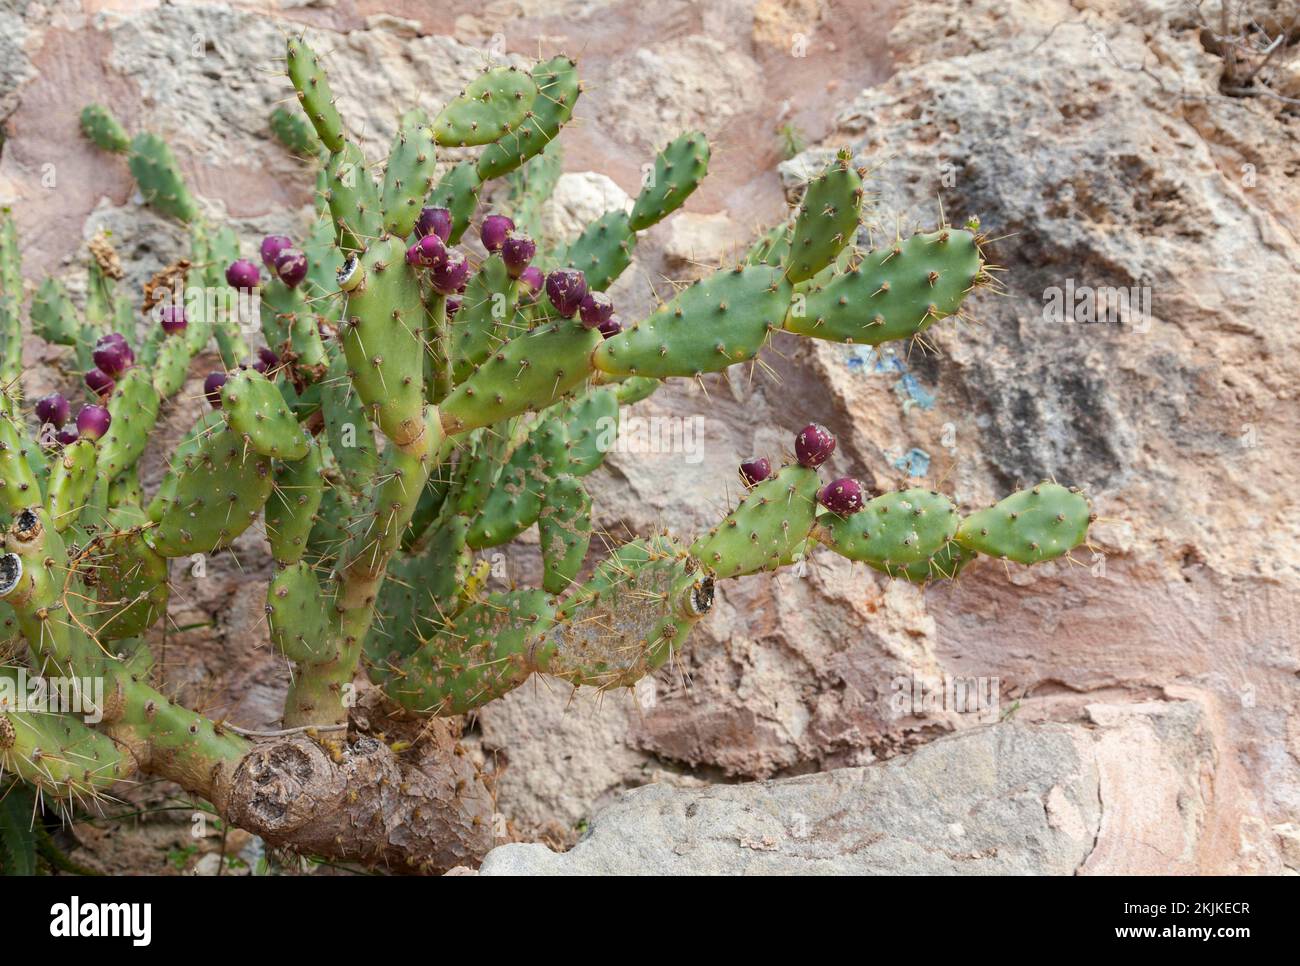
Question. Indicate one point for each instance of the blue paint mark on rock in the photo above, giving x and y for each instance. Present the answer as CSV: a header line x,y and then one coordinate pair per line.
x,y
915,462
868,360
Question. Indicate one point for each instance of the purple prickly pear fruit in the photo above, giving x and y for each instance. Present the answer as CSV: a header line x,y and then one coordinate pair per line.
x,y
449,275
266,359
212,384
814,445
611,327
531,281
596,308
52,410
427,252
755,470
842,496
494,230
100,383
67,435
93,422
434,221
517,251
243,274
172,318
453,306
272,246
291,266
566,288
112,355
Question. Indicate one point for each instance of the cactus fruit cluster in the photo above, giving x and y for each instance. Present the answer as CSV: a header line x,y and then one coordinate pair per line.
x,y
416,399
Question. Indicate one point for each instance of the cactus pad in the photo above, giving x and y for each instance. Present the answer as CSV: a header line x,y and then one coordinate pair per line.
x,y
767,530
493,104
893,530
1029,526
720,320
256,410
827,219
679,169
895,292
313,87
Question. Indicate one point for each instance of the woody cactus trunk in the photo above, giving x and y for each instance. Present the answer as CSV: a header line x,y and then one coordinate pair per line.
x,y
413,404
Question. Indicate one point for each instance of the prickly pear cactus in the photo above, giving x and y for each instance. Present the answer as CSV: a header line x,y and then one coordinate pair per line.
x,y
413,403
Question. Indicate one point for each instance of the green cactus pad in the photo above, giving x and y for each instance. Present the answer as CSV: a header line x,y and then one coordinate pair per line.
x,y
590,429
296,134
530,372
171,365
130,579
313,87
827,219
126,491
11,269
67,760
70,482
514,499
1029,526
408,179
310,357
720,320
530,187
324,259
338,511
458,193
493,104
383,337
428,509
894,293
632,389
603,250
53,317
256,410
486,310
299,615
353,198
946,564
565,528
636,610
679,169
133,407
278,306
557,91
291,509
418,597
104,129
893,530
478,469
769,528
190,444
772,248
489,649
219,491
394,499
159,178
350,437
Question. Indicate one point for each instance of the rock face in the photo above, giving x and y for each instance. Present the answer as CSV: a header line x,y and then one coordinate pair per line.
x,y
1129,796
1127,172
